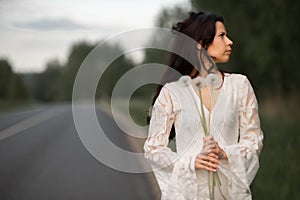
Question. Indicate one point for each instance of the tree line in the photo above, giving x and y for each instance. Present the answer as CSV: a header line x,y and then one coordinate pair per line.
x,y
265,49
55,83
11,84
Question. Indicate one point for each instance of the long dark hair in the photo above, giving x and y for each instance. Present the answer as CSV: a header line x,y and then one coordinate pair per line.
x,y
199,26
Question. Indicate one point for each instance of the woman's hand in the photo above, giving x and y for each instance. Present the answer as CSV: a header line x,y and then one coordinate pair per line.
x,y
208,144
211,146
207,162
210,155
219,152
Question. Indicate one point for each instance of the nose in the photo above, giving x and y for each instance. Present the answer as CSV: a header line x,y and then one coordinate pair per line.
x,y
229,42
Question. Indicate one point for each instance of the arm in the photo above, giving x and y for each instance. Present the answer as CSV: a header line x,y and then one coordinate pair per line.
x,y
243,157
171,169
162,119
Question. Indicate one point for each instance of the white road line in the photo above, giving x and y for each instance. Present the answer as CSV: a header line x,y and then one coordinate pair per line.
x,y
30,122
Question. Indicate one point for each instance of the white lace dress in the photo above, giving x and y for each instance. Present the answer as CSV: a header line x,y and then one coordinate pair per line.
x,y
234,124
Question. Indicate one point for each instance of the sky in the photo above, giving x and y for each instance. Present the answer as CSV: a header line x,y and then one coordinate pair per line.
x,y
33,32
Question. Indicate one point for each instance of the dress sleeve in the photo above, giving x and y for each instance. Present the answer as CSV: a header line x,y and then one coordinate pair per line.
x,y
171,170
243,157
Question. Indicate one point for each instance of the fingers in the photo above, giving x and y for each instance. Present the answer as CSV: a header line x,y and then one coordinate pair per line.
x,y
216,152
219,152
206,150
211,154
208,144
209,162
208,139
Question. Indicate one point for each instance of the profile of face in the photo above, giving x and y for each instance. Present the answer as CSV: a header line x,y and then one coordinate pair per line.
x,y
220,49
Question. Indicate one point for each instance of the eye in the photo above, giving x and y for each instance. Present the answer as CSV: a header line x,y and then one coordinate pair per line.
x,y
222,34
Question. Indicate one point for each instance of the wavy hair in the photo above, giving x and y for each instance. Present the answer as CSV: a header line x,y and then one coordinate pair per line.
x,y
201,27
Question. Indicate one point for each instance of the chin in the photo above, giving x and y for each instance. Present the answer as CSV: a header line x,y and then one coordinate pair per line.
x,y
222,61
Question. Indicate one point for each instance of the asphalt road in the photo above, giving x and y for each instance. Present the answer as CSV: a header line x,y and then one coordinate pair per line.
x,y
42,157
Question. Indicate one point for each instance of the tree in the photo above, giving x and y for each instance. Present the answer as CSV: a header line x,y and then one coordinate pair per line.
x,y
11,84
5,77
114,71
48,83
79,51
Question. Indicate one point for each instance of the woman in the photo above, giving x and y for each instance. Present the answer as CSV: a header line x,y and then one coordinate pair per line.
x,y
231,149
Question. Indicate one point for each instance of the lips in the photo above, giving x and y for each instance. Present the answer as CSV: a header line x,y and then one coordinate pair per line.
x,y
228,51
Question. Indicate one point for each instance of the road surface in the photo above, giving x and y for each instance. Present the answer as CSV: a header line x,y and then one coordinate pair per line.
x,y
42,157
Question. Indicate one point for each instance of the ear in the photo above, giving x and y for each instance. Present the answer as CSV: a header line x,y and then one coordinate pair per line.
x,y
199,46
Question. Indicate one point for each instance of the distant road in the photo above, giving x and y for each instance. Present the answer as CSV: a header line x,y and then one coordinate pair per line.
x,y
42,157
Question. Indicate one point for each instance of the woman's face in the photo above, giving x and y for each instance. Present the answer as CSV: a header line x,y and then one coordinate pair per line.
x,y
220,48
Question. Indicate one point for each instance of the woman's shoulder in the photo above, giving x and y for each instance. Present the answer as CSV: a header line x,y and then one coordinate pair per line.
x,y
178,88
182,82
234,78
239,83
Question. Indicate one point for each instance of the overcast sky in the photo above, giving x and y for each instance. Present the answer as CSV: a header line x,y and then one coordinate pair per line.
x,y
33,32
